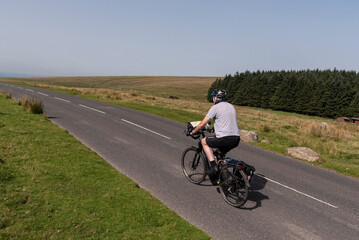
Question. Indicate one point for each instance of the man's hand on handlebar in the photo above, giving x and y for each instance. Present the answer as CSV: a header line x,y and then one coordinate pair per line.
x,y
199,132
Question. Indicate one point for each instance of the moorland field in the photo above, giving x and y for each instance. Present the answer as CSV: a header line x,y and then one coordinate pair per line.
x,y
184,99
54,187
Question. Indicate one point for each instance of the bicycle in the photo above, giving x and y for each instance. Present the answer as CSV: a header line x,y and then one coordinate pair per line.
x,y
233,178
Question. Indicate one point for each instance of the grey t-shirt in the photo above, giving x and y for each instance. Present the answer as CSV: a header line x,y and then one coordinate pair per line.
x,y
225,119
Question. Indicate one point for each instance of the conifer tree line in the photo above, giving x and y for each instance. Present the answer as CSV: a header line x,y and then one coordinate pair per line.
x,y
325,93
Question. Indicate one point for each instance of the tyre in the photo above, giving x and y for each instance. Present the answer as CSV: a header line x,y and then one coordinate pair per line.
x,y
193,165
233,186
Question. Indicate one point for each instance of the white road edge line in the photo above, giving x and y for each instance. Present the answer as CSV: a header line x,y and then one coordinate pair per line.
x,y
295,190
61,99
43,94
94,109
29,90
146,129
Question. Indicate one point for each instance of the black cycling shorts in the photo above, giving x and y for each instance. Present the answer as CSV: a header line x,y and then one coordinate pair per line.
x,y
224,144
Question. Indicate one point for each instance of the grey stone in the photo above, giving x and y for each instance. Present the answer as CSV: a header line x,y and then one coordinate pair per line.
x,y
324,125
303,153
248,136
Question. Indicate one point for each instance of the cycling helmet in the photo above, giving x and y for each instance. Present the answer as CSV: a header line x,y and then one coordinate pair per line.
x,y
220,93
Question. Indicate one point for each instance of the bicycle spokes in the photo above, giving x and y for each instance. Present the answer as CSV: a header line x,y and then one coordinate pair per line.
x,y
234,187
193,165
195,161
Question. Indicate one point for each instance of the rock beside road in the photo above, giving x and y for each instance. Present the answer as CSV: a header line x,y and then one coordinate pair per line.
x,y
266,141
303,153
248,136
324,125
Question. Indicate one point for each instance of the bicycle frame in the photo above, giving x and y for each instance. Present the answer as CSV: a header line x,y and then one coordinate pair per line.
x,y
233,174
201,150
232,177
246,168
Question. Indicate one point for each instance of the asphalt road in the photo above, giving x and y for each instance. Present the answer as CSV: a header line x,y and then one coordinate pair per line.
x,y
289,199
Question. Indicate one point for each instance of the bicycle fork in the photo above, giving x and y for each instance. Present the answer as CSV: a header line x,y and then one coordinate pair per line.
x,y
195,161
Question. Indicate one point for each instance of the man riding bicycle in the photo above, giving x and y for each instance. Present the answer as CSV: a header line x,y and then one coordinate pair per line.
x,y
226,129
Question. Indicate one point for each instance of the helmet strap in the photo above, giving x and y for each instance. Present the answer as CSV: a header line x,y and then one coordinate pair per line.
x,y
220,100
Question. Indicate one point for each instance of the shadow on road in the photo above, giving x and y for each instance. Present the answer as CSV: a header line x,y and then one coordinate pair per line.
x,y
206,183
255,197
52,117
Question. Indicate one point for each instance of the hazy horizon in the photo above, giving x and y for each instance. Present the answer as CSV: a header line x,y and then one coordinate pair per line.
x,y
176,38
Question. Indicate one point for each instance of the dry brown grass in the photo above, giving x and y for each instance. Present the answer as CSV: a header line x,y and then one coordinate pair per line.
x,y
164,86
283,130
338,144
337,140
131,96
6,94
30,104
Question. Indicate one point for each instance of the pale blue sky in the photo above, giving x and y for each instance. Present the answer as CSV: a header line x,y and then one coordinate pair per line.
x,y
178,38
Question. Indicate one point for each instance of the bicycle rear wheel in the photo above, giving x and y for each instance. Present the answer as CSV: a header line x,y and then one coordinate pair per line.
x,y
233,185
193,165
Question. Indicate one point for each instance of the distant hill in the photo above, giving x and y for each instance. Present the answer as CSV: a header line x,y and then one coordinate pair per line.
x,y
2,74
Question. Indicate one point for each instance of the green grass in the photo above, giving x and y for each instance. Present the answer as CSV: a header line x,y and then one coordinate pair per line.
x,y
337,145
183,87
31,104
53,187
178,115
175,114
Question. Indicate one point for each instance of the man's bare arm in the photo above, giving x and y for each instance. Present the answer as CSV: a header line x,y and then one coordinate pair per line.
x,y
201,125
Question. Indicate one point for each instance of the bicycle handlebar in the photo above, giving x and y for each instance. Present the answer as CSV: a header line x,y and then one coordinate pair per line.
x,y
199,133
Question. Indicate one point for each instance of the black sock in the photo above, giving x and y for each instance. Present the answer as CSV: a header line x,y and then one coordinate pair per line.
x,y
213,164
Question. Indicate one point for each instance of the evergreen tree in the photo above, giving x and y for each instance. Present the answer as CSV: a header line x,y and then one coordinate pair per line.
x,y
283,98
316,92
353,108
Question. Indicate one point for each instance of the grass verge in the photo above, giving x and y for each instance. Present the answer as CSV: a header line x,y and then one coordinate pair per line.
x,y
31,104
52,186
337,143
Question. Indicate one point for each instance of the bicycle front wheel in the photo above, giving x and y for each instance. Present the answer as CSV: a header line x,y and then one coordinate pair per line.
x,y
233,185
193,165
